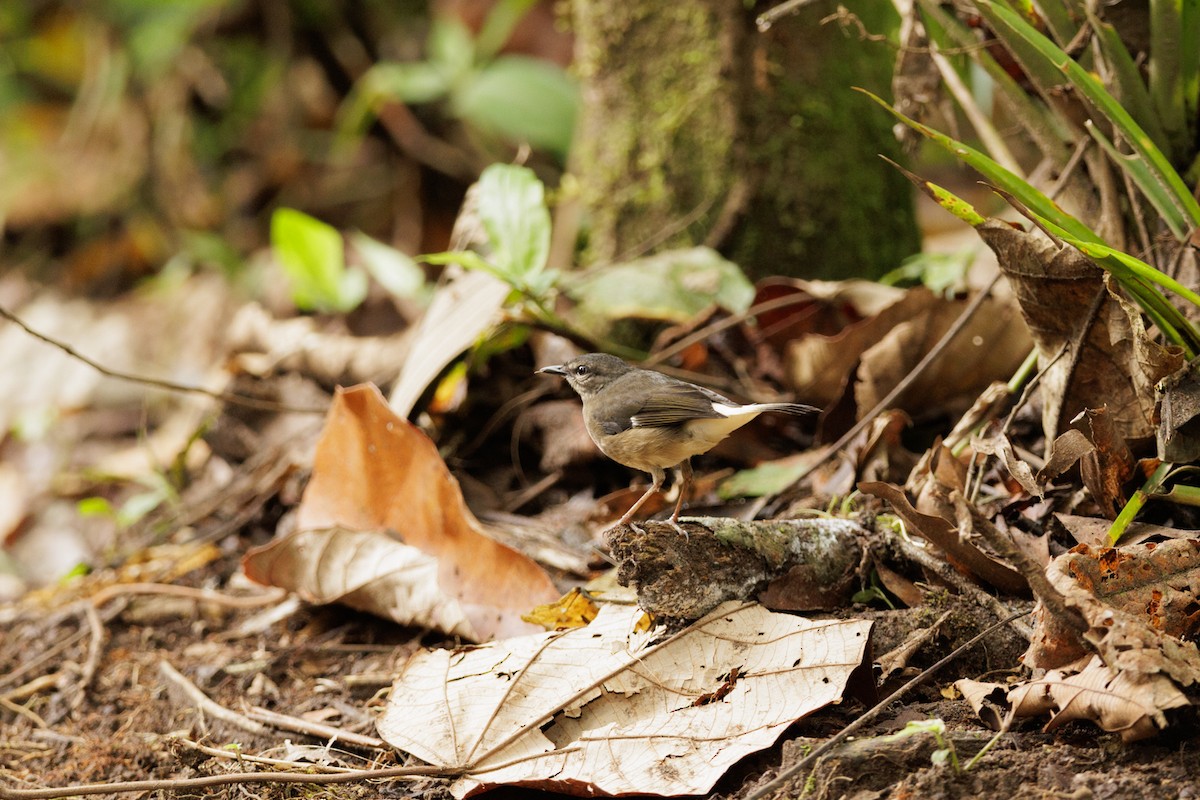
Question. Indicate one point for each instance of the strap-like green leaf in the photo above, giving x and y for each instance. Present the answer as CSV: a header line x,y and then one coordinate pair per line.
x,y
1029,45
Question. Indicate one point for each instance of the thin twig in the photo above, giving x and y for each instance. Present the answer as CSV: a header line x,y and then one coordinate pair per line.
x,y
315,729
220,752
170,386
184,784
269,597
207,704
17,708
916,372
780,780
95,648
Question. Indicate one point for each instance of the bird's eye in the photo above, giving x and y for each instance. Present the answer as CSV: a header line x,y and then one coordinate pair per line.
x,y
582,369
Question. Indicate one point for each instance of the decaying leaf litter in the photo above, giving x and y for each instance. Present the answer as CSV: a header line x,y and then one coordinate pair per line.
x,y
366,536
447,533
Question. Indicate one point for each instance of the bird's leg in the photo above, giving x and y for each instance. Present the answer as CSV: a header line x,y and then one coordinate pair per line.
x,y
685,483
658,477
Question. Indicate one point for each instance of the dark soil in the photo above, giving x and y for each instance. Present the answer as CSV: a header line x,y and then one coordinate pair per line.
x,y
332,664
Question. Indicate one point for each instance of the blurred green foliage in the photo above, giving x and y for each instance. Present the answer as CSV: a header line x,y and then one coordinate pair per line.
x,y
136,133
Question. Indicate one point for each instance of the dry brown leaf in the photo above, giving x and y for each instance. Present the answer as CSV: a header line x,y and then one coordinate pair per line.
x,y
607,709
991,346
1110,359
896,329
1177,431
963,555
1106,468
1140,603
1065,451
383,525
999,445
1129,703
1094,532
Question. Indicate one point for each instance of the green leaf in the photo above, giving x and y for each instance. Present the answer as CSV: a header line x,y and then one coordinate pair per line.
x,y
395,271
449,46
95,507
672,286
1165,68
766,480
1142,177
499,25
312,255
1044,128
997,175
523,100
512,208
1129,88
412,83
1036,51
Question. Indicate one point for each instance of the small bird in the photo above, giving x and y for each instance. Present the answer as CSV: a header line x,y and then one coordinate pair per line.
x,y
653,422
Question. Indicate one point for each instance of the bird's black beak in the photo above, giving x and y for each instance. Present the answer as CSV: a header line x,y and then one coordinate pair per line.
x,y
555,370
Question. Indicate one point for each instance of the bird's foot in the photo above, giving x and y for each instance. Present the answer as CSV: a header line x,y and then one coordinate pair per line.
x,y
674,523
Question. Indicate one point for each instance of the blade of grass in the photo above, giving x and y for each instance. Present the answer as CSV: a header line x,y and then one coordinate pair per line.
x,y
1059,19
1048,132
1127,80
997,175
1022,36
943,197
1166,51
1189,68
1144,180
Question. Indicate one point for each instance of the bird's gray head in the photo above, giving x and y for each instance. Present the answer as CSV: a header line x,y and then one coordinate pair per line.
x,y
589,373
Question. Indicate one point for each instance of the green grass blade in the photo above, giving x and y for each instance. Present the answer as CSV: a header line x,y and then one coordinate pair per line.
x,y
999,176
943,197
1063,24
1015,31
1142,177
1166,52
1189,69
1130,90
1048,132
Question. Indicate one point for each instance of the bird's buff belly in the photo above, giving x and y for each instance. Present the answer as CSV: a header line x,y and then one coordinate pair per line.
x,y
649,449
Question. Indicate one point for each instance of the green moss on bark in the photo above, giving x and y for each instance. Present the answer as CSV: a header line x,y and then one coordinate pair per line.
x,y
684,102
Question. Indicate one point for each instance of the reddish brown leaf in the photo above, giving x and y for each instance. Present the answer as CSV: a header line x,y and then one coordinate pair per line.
x,y
963,555
375,472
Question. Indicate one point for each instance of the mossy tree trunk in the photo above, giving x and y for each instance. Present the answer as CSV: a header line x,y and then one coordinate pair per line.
x,y
698,129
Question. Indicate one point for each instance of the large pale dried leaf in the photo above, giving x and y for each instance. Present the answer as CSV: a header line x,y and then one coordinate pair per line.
x,y
383,523
609,710
963,555
1067,306
1140,603
1129,703
462,311
819,361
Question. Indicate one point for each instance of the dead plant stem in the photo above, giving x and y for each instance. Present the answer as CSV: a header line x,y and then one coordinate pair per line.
x,y
170,386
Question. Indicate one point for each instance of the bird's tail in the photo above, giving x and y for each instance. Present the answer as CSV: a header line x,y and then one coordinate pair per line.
x,y
784,408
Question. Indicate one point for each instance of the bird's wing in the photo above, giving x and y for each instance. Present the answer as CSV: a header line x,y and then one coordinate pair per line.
x,y
675,403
